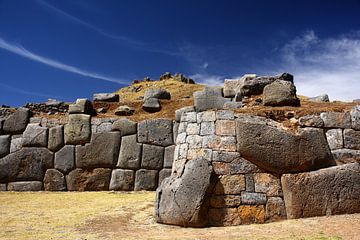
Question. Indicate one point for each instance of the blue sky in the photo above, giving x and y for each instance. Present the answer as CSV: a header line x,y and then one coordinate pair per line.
x,y
71,49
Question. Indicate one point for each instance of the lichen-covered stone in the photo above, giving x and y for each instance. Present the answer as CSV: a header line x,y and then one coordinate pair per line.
x,y
35,136
207,128
268,184
181,138
146,180
56,138
352,139
209,98
252,214
230,184
82,106
280,93
25,186
225,115
97,179
250,183
188,117
65,159
336,119
199,153
156,131
152,157
130,153
122,180
223,156
335,138
54,180
78,130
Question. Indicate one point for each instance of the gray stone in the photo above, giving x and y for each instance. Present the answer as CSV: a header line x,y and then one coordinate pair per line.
x,y
56,138
238,166
65,159
122,180
343,156
1,125
207,128
180,111
125,126
26,164
233,86
181,138
152,157
225,115
156,132
336,119
54,180
157,93
320,98
355,117
175,130
130,153
182,200
210,98
35,136
4,145
229,184
206,116
275,209
97,179
164,173
104,127
335,138
78,130
16,122
169,156
329,191
3,187
250,183
233,105
151,105
16,143
25,186
222,156
274,149
251,198
280,93
268,184
352,139
102,151
124,110
311,121
146,180
106,97
194,141
193,129
82,106
356,100
189,117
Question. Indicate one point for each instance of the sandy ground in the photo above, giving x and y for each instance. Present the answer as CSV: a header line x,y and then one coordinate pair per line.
x,y
119,215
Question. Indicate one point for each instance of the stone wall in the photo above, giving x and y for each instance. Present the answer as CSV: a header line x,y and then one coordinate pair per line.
x,y
83,153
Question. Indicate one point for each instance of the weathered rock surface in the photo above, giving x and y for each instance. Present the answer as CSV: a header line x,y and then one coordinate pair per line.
x,y
102,151
180,111
78,130
164,173
311,121
54,180
16,122
279,151
25,164
336,119
16,143
124,110
146,180
65,159
152,157
122,180
329,191
230,184
157,93
35,136
106,97
82,106
130,153
210,98
352,139
343,156
56,138
183,201
335,138
275,209
4,145
151,105
156,132
169,156
125,126
25,186
97,179
280,93
3,187
320,98
355,117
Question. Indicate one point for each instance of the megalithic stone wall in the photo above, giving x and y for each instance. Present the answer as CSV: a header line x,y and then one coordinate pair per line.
x,y
84,153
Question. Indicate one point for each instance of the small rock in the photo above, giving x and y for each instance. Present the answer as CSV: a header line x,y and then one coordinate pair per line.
x,y
101,110
106,97
321,98
124,110
54,180
157,93
25,186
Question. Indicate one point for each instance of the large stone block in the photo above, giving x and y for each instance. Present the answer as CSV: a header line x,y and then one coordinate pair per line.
x,y
274,149
78,130
280,93
65,159
336,119
156,132
3,187
182,200
352,139
106,97
329,191
169,156
250,214
225,128
125,126
56,138
16,122
25,164
335,138
355,117
251,198
222,201
82,106
122,180
224,217
237,166
230,184
130,153
146,180
180,111
102,151
210,98
164,173
35,136
4,145
152,157
16,143
275,209
343,156
25,186
268,184
97,179
54,180
311,121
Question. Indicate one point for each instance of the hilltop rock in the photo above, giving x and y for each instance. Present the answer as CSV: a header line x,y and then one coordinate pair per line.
x,y
157,93
280,93
82,106
151,105
210,98
321,98
124,110
106,97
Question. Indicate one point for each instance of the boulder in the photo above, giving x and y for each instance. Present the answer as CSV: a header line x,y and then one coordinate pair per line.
x,y
151,105
56,138
355,117
233,105
157,93
106,97
4,145
335,138
78,130
16,143
233,86
35,136
336,119
209,98
122,180
65,159
329,191
182,78
265,143
82,106
352,139
165,76
275,209
124,110
125,126
146,180
152,157
97,179
25,186
26,164
54,180
169,156
280,93
321,98
3,187
311,121
156,131
180,111
130,153
343,156
183,200
164,173
16,122
102,151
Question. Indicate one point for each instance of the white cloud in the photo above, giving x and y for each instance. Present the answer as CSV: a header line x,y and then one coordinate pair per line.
x,y
211,80
205,65
26,92
324,65
21,51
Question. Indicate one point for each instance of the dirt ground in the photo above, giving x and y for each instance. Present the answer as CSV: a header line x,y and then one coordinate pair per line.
x,y
120,215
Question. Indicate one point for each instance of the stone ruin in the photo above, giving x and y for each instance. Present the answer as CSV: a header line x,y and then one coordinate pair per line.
x,y
211,166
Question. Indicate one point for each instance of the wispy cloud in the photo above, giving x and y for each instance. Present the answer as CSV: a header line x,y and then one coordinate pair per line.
x,y
324,65
26,92
21,51
208,79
